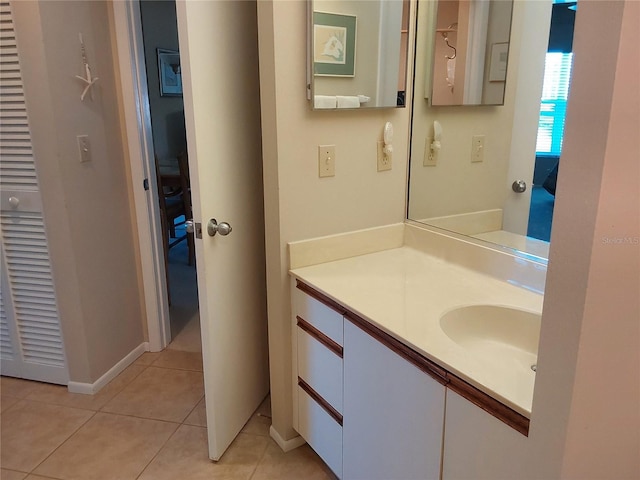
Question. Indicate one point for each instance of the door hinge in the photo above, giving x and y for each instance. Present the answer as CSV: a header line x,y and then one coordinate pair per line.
x,y
145,184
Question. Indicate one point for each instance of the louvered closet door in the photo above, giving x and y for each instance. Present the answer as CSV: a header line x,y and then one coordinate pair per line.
x,y
30,338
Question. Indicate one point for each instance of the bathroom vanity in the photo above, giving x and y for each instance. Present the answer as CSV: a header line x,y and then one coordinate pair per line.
x,y
404,354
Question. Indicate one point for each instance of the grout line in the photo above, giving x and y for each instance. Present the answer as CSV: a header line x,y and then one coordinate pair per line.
x,y
191,411
64,441
264,452
159,450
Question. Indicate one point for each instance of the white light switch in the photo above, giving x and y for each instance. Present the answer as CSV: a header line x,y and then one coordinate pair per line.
x,y
477,148
84,148
326,160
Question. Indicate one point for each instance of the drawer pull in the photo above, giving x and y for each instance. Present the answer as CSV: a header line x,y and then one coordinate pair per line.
x,y
326,406
321,337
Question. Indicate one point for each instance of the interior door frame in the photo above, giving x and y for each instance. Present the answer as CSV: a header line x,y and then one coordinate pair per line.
x,y
139,143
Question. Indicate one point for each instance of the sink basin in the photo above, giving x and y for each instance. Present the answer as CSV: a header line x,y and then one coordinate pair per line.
x,y
495,333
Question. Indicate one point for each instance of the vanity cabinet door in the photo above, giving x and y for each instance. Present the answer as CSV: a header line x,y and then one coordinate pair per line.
x,y
393,413
477,445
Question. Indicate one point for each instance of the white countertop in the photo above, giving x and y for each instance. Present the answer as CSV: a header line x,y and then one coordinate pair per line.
x,y
405,292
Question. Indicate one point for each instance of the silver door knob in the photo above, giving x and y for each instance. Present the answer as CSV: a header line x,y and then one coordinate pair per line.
x,y
213,227
519,186
190,226
14,202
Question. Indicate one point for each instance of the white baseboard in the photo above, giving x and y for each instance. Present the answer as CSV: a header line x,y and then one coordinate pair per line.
x,y
286,445
113,372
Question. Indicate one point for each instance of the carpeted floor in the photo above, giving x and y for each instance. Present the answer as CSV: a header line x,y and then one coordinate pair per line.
x,y
185,317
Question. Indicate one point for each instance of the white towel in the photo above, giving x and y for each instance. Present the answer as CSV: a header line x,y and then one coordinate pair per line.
x,y
325,101
351,101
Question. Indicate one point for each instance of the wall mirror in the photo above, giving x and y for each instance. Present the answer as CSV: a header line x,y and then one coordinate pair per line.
x,y
357,55
470,52
464,182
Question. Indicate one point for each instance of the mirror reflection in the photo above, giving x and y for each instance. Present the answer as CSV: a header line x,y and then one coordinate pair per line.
x,y
489,172
358,53
470,52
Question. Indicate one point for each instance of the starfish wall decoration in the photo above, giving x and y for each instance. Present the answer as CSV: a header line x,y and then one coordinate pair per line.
x,y
88,79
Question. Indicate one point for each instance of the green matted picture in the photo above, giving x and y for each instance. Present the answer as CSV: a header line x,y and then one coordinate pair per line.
x,y
334,45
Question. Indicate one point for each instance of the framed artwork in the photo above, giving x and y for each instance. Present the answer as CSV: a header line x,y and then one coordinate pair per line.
x,y
334,45
498,66
169,73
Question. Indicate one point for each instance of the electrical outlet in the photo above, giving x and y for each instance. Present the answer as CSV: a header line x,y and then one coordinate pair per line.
x,y
430,156
84,148
326,160
384,159
477,148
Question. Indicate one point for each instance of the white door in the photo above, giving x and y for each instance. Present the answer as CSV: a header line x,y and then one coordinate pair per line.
x,y
530,71
30,338
219,56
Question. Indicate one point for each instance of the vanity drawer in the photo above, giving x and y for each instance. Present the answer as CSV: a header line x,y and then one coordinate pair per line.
x,y
327,319
320,367
321,430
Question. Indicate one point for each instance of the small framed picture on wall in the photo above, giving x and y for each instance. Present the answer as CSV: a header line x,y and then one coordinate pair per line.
x,y
169,73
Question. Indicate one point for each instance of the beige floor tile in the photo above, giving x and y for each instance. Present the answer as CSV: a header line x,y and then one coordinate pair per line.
x,y
265,407
108,447
179,359
60,395
159,393
39,477
198,416
11,475
258,424
294,465
16,387
32,430
147,358
185,456
6,401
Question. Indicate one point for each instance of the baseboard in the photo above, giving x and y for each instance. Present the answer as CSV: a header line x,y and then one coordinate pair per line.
x,y
113,372
286,445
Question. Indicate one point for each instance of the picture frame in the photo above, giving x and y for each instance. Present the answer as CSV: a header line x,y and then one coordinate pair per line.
x,y
169,73
334,44
498,65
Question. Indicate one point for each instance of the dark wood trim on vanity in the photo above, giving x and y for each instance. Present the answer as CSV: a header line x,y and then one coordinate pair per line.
x,y
321,297
439,374
326,406
321,337
489,404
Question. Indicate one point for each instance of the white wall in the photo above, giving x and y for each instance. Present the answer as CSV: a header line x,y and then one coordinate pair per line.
x,y
160,30
88,214
298,204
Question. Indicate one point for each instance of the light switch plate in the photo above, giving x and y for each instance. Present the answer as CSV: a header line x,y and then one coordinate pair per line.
x,y
477,148
84,148
384,161
326,160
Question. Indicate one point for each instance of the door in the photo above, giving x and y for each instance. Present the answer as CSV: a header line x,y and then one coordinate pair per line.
x,y
530,72
219,57
31,343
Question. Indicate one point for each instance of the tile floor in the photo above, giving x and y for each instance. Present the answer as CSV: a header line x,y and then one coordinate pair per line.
x,y
148,423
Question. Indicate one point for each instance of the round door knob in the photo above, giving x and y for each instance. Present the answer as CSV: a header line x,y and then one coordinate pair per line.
x,y
519,186
190,226
213,227
14,202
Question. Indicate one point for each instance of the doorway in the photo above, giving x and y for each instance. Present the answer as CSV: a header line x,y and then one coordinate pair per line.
x,y
555,93
166,106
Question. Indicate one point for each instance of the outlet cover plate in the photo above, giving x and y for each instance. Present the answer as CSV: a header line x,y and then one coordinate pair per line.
x,y
384,161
